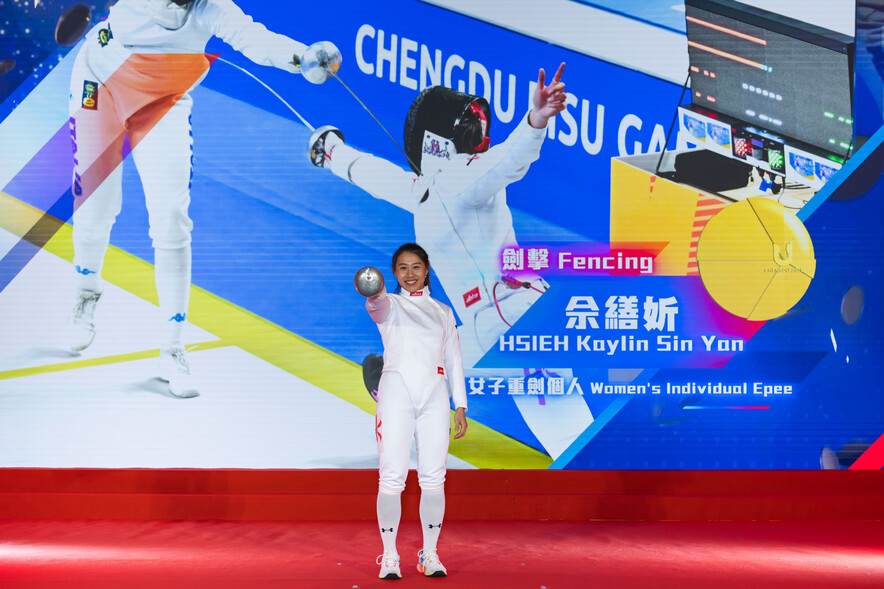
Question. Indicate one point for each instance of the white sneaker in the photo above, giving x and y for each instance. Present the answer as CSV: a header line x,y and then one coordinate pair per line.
x,y
389,562
82,320
176,371
428,564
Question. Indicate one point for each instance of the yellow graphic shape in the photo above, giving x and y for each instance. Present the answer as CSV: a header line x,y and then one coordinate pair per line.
x,y
756,258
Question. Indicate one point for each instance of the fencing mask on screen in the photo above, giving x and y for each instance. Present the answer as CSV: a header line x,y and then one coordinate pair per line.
x,y
442,122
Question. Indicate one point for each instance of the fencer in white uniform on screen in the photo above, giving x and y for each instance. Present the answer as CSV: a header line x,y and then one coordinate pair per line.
x,y
162,44
421,354
457,194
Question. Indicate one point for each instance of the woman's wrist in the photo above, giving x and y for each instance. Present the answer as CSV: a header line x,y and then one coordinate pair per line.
x,y
537,121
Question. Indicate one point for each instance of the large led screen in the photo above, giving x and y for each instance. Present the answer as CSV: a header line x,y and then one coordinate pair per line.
x,y
609,316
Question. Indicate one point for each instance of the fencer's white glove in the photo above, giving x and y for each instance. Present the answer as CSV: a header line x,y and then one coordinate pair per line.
x,y
322,144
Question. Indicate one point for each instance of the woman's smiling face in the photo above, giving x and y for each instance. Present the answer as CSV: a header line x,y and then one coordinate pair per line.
x,y
411,272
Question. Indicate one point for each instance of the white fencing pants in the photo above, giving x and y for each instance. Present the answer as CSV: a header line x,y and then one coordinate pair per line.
x,y
398,422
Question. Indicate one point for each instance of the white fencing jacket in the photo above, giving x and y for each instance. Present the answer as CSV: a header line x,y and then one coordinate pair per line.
x,y
420,343
464,221
133,26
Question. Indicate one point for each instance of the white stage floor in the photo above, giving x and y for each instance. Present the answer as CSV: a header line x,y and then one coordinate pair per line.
x,y
106,408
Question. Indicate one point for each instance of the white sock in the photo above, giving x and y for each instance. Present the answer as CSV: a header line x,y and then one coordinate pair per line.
x,y
172,275
432,511
88,260
389,514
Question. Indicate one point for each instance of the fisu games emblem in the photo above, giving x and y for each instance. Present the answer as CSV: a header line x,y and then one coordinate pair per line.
x,y
90,95
104,36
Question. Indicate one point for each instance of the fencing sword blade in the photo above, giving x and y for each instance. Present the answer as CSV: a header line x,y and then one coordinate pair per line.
x,y
368,110
334,74
272,91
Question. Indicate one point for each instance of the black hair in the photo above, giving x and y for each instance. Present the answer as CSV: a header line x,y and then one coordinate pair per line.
x,y
413,248
468,133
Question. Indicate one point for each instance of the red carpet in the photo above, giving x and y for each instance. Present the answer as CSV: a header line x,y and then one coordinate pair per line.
x,y
160,554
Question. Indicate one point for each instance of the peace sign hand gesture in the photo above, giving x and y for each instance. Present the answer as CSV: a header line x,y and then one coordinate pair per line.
x,y
548,100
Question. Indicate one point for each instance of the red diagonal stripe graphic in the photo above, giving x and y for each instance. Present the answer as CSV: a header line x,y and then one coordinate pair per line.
x,y
872,458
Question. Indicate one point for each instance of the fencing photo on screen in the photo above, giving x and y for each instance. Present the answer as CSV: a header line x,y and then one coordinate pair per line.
x,y
655,225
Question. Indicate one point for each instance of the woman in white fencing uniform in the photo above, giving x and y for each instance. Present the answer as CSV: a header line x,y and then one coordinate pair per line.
x,y
457,195
421,354
132,78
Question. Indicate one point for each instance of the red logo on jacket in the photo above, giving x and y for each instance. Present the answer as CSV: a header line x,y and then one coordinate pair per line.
x,y
471,297
440,370
417,293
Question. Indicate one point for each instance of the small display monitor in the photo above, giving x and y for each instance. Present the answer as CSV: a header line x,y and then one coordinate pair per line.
x,y
780,76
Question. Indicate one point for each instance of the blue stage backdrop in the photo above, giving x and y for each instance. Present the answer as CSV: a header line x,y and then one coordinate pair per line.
x,y
634,317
